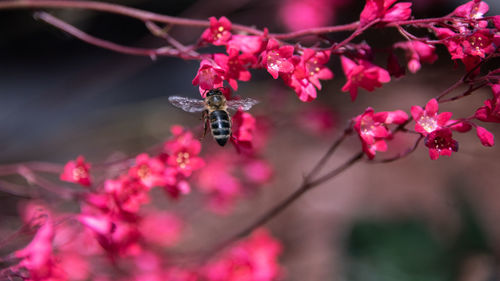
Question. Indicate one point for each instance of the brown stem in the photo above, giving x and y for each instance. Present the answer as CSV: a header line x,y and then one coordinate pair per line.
x,y
66,27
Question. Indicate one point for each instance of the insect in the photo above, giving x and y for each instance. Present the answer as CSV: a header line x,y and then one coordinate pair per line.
x,y
215,111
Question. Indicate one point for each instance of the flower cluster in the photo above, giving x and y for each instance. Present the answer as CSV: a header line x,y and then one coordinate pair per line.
x,y
373,131
252,259
468,37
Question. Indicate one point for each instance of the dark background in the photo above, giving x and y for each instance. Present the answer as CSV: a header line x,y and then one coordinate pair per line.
x,y
414,219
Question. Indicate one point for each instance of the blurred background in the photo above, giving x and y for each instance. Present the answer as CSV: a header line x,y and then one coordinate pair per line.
x,y
413,219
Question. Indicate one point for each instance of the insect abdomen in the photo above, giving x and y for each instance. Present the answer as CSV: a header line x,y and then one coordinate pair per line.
x,y
220,125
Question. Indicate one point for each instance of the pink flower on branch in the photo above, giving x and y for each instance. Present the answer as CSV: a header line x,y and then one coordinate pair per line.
x,y
255,258
363,74
149,171
235,66
243,131
276,59
183,151
471,10
219,31
440,142
486,137
247,44
428,120
77,172
381,9
416,53
307,73
490,112
210,75
372,129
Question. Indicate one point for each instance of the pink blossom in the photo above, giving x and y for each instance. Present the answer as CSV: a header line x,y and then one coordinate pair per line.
x,y
297,14
486,138
307,73
161,228
209,75
116,237
247,44
417,52
258,171
428,120
77,172
276,59
317,120
372,129
490,112
471,10
440,142
219,31
149,171
243,129
235,66
364,75
252,259
128,193
38,258
183,151
219,183
381,9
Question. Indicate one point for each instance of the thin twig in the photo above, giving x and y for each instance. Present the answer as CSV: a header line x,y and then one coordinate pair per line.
x,y
152,53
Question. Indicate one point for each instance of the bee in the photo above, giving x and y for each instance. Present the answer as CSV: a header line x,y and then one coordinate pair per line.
x,y
215,111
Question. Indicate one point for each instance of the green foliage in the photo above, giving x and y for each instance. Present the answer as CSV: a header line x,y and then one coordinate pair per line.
x,y
407,250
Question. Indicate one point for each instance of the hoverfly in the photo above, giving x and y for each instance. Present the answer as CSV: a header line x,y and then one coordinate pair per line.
x,y
215,111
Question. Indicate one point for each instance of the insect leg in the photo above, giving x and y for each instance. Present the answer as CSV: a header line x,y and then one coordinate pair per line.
x,y
205,122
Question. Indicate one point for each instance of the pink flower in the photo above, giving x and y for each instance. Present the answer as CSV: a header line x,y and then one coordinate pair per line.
x,y
116,237
417,52
209,75
175,182
428,120
161,228
219,31
183,151
38,258
381,9
258,171
307,73
235,66
247,44
440,142
300,14
242,131
472,10
364,75
317,120
372,129
277,59
219,183
490,112
149,171
129,193
486,138
77,172
253,259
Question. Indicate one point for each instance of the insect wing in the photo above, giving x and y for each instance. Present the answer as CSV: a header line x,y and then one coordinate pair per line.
x,y
187,104
245,104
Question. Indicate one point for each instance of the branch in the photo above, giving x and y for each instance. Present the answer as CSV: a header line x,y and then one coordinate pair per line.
x,y
66,27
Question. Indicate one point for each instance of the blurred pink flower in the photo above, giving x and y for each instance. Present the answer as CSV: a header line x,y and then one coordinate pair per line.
x,y
365,75
77,172
253,259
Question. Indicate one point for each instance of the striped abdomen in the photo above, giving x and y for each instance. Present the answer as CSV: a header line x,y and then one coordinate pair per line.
x,y
220,125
